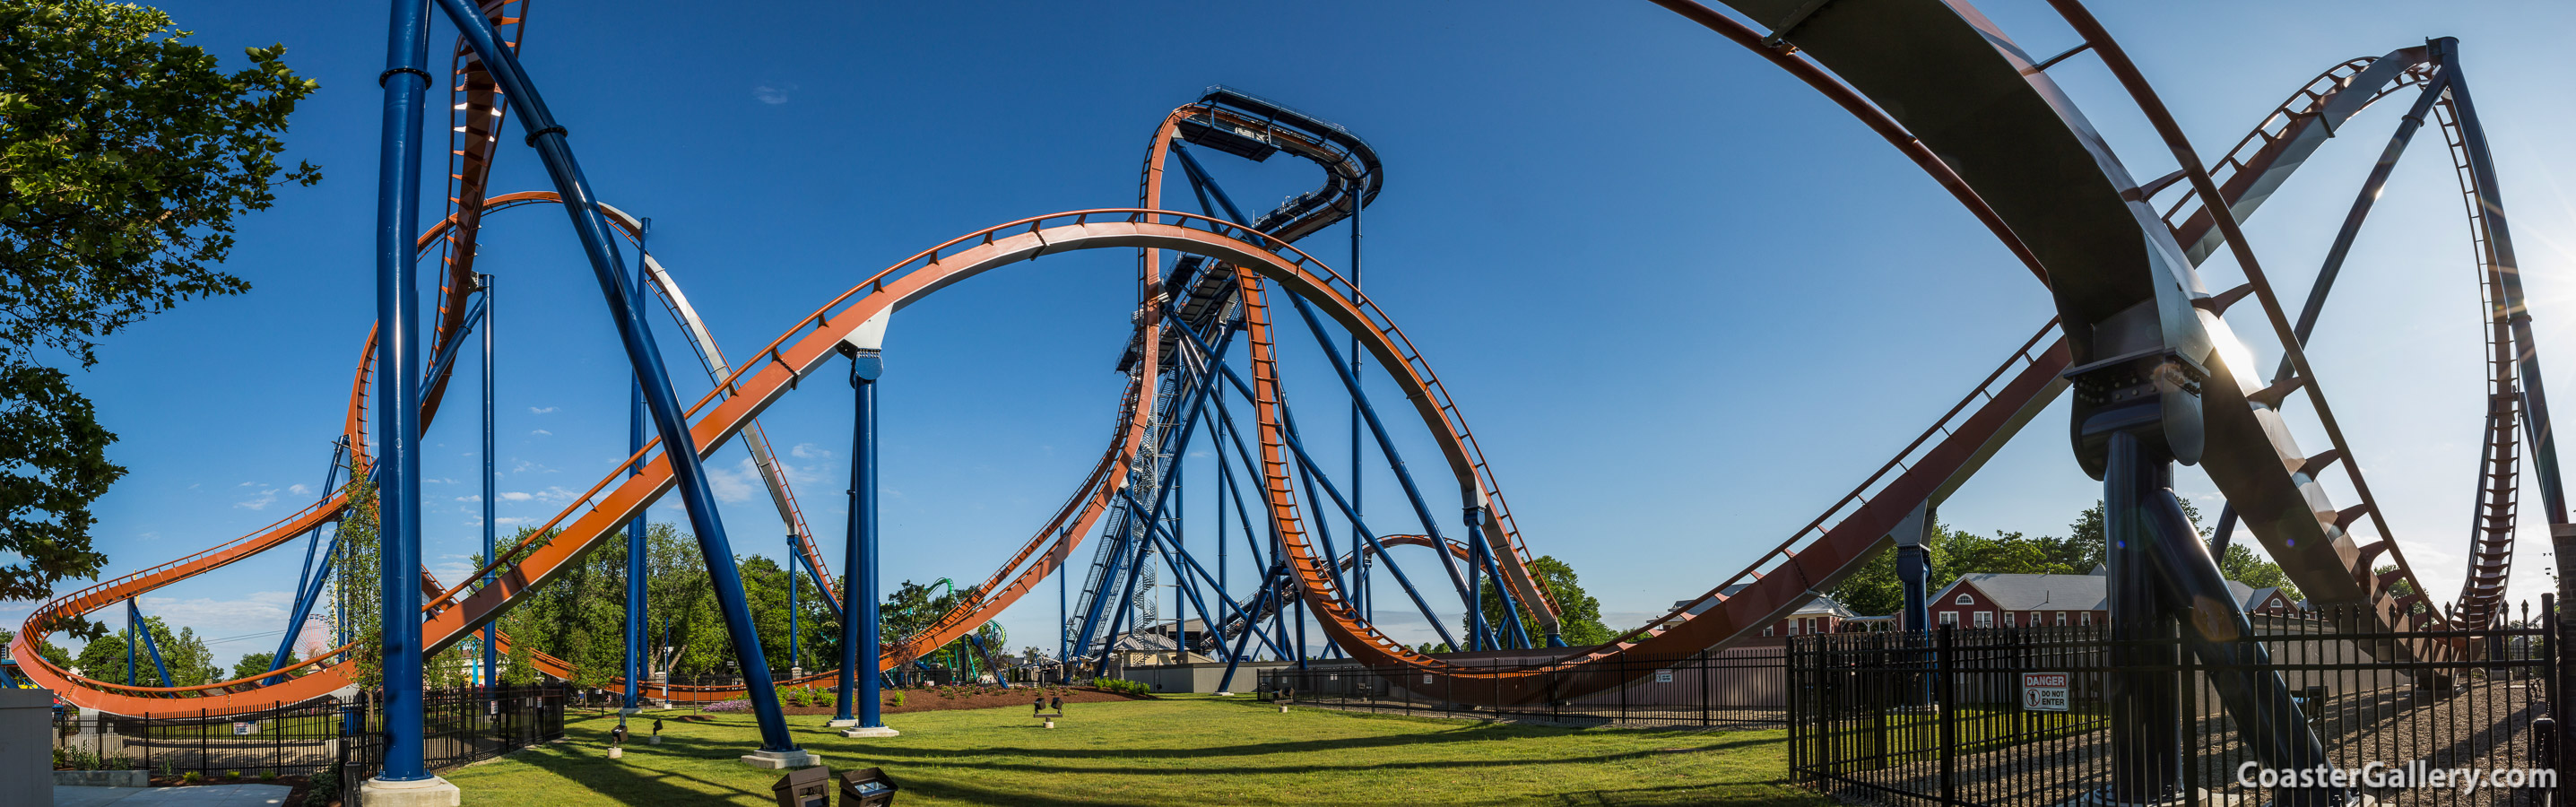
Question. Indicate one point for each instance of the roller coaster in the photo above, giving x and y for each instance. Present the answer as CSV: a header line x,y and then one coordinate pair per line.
x,y
2157,375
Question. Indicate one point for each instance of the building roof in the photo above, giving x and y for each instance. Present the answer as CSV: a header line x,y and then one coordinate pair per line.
x,y
1144,643
2255,599
2036,592
1822,605
2066,592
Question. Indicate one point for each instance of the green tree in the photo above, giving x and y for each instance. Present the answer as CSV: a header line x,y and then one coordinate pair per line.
x,y
46,650
254,663
356,586
1579,617
127,155
2242,565
183,652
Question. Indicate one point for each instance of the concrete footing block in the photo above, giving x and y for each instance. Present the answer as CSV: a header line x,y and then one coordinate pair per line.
x,y
837,723
870,731
775,760
615,752
657,739
430,792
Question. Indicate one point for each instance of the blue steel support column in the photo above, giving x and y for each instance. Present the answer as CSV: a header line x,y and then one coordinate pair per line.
x,y
2145,711
1395,462
794,661
1479,636
636,548
134,621
861,655
1359,588
688,471
308,585
491,672
1914,566
397,360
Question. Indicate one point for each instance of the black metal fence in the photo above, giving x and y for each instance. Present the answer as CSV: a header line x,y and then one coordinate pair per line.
x,y
459,726
298,740
1740,688
2022,717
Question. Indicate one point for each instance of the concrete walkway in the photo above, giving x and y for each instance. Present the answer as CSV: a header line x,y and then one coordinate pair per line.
x,y
197,796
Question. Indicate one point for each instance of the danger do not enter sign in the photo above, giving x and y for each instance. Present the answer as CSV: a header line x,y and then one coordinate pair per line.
x,y
2044,692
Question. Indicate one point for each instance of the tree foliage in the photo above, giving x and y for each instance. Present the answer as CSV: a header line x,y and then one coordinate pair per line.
x,y
46,650
1579,617
580,617
184,652
1875,589
255,663
125,155
357,585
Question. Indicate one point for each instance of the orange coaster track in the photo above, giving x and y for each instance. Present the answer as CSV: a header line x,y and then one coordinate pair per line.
x,y
1248,263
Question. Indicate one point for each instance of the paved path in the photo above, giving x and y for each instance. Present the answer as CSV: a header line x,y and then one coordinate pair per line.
x,y
198,796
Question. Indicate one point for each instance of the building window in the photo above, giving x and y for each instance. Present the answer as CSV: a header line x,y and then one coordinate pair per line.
x,y
1985,619
2008,619
1950,618
1966,600
2088,619
2061,619
2035,619
1793,627
1766,631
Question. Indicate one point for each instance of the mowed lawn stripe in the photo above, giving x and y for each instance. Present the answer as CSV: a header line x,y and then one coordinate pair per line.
x,y
1179,751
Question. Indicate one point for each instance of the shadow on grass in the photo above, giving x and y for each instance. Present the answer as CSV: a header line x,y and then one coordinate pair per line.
x,y
589,767
948,758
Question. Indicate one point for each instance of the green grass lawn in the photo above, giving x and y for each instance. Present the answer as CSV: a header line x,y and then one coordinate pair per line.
x,y
1189,751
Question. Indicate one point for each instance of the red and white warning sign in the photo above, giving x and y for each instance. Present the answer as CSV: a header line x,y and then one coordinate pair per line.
x,y
2044,692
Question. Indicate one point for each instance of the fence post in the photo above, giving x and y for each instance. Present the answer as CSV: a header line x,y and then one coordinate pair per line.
x,y
1797,740
2191,713
1623,686
2551,635
1947,717
203,746
1706,669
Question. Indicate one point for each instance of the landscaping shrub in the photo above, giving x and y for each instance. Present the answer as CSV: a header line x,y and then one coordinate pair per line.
x,y
898,698
191,777
735,705
326,788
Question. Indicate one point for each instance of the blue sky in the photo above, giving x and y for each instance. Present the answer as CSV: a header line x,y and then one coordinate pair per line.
x,y
1683,300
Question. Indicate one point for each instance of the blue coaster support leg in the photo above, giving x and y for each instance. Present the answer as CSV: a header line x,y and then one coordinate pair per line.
x,y
680,447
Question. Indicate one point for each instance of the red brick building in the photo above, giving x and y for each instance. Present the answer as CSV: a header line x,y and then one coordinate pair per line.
x,y
2052,600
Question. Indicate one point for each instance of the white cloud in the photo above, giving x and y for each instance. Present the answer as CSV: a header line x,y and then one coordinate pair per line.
x,y
508,520
808,451
519,496
474,498
261,502
301,490
772,95
543,432
734,484
262,613
540,410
